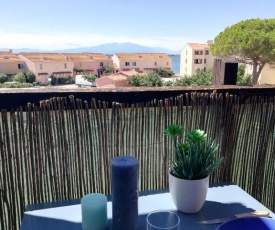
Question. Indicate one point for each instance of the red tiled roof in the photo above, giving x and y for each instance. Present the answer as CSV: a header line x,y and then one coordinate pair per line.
x,y
65,57
44,57
7,56
144,56
117,77
197,46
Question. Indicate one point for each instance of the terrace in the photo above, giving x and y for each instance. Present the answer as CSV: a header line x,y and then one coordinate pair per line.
x,y
58,144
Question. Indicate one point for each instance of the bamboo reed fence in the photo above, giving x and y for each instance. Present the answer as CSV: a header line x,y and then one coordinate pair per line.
x,y
62,148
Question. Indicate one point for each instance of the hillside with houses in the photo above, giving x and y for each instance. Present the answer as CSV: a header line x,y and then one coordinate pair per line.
x,y
109,70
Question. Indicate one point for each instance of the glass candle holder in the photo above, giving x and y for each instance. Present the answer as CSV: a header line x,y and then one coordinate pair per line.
x,y
163,219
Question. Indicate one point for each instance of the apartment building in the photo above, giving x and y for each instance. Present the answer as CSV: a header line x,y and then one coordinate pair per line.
x,y
195,56
141,62
91,63
10,63
44,65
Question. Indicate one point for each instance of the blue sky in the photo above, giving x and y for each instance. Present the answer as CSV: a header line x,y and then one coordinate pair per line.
x,y
60,24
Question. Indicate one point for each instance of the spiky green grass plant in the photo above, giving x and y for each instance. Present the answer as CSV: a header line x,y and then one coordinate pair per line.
x,y
194,158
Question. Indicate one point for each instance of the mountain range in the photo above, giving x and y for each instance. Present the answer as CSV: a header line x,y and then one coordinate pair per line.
x,y
107,48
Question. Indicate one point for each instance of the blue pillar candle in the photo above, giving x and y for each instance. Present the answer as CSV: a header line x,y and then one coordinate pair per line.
x,y
94,212
125,193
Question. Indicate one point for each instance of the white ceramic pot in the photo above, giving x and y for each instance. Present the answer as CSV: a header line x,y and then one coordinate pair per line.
x,y
188,195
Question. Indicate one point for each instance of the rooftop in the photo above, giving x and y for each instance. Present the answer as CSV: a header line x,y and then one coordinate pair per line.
x,y
7,56
146,56
198,46
61,57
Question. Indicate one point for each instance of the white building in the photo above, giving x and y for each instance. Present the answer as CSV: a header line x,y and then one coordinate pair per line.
x,y
267,75
195,56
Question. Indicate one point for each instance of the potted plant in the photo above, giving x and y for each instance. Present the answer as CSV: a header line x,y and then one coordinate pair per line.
x,y
189,171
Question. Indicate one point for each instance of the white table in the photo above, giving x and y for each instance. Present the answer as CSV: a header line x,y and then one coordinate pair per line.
x,y
223,200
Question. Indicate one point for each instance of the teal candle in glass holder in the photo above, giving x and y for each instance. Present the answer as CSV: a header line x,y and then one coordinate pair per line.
x,y
94,212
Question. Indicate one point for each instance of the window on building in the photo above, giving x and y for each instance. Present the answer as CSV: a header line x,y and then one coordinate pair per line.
x,y
185,69
80,64
20,66
134,63
101,64
41,67
167,63
185,61
127,63
198,52
1,67
197,61
65,65
204,69
206,52
186,53
204,61
156,63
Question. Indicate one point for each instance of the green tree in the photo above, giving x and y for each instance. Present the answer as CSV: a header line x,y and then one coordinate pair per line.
x,y
251,41
134,80
3,78
168,83
91,77
242,78
19,77
151,80
54,80
30,77
163,72
200,78
108,69
78,70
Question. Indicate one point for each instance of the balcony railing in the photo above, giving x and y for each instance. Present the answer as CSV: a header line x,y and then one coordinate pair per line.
x,y
61,148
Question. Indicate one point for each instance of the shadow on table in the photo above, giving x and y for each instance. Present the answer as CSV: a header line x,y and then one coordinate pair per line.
x,y
35,223
210,210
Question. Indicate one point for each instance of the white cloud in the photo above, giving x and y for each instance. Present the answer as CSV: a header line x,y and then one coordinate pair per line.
x,y
45,41
172,43
64,41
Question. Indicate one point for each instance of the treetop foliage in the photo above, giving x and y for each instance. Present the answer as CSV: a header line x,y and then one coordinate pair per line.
x,y
201,78
108,69
150,80
249,39
90,77
19,77
3,78
163,72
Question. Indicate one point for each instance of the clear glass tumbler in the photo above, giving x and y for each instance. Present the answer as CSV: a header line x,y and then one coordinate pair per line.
x,y
163,219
